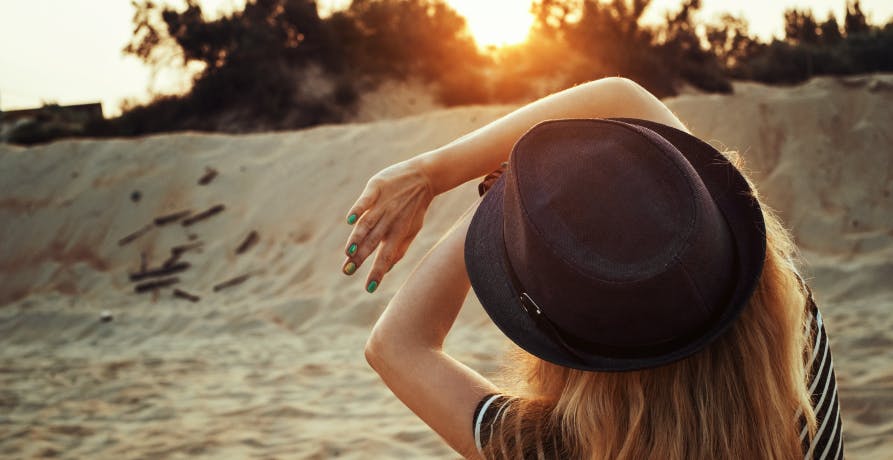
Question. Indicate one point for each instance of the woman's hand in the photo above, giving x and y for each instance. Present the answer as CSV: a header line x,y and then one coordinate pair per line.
x,y
388,213
390,210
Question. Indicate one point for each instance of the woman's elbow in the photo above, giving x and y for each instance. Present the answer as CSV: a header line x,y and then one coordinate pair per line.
x,y
626,98
618,81
615,85
387,349
383,347
373,349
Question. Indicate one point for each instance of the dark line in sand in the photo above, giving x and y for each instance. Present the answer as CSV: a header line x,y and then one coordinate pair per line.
x,y
174,258
184,248
248,242
131,237
185,295
232,282
210,174
216,209
172,217
159,272
154,286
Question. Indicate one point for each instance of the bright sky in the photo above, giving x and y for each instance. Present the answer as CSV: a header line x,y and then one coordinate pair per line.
x,y
60,51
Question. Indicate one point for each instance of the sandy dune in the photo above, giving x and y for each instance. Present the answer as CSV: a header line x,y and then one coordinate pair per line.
x,y
273,367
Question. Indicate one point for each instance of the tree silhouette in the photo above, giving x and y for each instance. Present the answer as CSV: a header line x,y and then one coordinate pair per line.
x,y
403,39
277,64
830,31
801,27
730,41
855,21
253,62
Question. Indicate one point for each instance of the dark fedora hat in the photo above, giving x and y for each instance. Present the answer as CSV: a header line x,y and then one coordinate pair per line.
x,y
615,244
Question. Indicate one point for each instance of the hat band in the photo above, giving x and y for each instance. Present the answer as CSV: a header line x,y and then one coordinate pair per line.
x,y
535,312
553,333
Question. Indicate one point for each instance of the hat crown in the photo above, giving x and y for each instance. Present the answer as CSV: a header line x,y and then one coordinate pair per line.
x,y
614,204
611,231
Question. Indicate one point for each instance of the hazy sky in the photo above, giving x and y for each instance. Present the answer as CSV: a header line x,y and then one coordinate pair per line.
x,y
70,51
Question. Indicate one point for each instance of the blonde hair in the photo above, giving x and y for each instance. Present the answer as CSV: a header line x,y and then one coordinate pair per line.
x,y
741,397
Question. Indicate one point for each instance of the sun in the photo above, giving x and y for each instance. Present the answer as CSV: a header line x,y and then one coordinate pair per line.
x,y
496,22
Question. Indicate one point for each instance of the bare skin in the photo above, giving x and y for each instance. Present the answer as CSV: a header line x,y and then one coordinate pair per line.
x,y
406,344
391,208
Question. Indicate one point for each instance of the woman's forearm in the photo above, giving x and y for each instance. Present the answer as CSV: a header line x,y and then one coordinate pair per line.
x,y
482,151
406,344
423,310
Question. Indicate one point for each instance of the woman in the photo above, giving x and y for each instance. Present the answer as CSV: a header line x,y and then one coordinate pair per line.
x,y
653,298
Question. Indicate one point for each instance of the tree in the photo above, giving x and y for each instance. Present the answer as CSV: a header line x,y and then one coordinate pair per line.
x,y
730,41
399,38
855,21
830,30
682,49
402,39
800,26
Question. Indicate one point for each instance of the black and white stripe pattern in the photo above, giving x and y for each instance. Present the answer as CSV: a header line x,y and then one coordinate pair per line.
x,y
483,416
491,412
828,440
826,444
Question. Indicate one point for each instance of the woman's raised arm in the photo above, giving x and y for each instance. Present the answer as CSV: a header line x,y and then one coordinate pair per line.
x,y
391,208
482,151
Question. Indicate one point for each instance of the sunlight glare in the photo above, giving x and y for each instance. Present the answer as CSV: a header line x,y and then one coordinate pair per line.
x,y
496,22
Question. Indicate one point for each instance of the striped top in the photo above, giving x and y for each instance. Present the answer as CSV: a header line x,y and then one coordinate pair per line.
x,y
826,444
828,440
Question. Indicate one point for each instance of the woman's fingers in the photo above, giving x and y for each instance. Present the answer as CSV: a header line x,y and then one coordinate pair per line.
x,y
387,215
364,243
360,235
349,267
363,203
388,255
391,250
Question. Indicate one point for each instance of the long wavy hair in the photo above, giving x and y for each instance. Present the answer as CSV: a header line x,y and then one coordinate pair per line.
x,y
741,397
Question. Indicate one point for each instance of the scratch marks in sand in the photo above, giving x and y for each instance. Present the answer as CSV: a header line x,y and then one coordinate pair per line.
x,y
158,278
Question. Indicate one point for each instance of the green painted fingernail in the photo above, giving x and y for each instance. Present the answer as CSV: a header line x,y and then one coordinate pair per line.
x,y
372,286
352,219
349,268
352,249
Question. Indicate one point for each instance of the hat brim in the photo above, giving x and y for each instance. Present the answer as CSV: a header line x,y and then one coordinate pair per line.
x,y
730,191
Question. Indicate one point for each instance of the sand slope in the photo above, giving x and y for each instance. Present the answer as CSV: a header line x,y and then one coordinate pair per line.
x,y
273,367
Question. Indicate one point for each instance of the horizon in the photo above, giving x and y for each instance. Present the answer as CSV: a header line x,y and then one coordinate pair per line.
x,y
94,42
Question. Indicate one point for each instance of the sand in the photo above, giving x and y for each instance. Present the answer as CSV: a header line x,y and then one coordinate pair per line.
x,y
273,367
